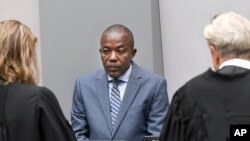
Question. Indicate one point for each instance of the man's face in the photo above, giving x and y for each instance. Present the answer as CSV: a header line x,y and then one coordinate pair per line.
x,y
116,53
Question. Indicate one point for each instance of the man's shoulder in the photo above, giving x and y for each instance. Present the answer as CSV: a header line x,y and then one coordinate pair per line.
x,y
197,86
200,77
92,75
147,73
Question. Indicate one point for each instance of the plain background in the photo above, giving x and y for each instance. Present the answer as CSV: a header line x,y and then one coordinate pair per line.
x,y
172,45
185,50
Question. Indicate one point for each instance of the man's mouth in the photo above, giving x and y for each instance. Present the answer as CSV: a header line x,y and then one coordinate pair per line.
x,y
113,68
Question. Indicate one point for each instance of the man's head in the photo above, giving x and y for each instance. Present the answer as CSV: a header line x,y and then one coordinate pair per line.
x,y
117,50
228,36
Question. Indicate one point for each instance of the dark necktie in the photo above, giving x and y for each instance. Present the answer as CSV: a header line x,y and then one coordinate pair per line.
x,y
115,100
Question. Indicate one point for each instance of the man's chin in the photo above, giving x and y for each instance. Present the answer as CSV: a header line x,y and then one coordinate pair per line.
x,y
114,74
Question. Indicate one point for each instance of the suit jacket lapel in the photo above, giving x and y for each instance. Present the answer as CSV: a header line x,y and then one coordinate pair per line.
x,y
129,95
103,94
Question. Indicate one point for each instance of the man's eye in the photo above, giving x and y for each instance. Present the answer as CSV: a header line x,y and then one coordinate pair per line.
x,y
121,51
105,51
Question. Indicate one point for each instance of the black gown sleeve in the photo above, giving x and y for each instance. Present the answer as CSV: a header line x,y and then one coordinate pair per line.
x,y
52,123
183,121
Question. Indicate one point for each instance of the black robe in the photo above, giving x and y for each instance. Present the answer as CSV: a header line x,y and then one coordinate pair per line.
x,y
205,107
32,113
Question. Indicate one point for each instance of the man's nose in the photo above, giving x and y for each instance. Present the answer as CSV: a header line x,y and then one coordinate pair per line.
x,y
113,56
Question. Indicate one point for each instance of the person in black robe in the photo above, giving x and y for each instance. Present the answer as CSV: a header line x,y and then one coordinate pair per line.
x,y
27,112
205,107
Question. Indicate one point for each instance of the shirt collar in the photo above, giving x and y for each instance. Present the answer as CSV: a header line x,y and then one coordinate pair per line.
x,y
236,62
125,76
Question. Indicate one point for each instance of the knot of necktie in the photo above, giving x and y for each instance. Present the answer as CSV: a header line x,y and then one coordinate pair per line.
x,y
116,81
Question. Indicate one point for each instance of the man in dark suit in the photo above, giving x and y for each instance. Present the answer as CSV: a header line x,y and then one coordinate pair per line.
x,y
205,107
122,101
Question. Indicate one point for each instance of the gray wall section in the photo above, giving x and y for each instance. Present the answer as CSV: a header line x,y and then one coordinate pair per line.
x,y
186,53
70,33
156,38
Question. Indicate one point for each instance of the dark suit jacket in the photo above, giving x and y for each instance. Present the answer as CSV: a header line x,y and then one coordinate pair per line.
x,y
205,107
33,114
142,111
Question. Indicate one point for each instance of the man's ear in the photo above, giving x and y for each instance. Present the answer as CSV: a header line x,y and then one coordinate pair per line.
x,y
216,58
134,50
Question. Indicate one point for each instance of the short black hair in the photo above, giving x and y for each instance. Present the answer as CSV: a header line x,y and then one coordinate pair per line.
x,y
119,27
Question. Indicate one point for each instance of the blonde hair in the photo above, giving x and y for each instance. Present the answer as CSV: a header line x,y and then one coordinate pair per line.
x,y
229,33
18,61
